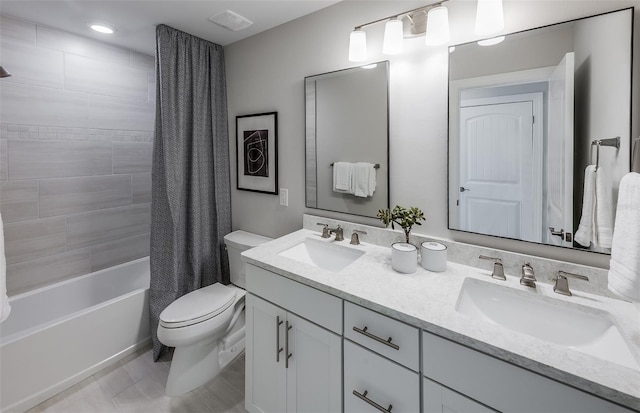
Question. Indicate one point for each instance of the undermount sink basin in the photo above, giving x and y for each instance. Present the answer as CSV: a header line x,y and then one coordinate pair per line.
x,y
322,254
585,329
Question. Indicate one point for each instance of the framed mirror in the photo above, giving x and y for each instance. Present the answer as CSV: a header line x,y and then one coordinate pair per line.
x,y
527,118
347,123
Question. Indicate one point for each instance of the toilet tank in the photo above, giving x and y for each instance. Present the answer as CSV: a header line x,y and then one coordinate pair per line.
x,y
236,242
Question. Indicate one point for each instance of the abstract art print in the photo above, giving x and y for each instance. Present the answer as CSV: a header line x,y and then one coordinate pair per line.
x,y
256,152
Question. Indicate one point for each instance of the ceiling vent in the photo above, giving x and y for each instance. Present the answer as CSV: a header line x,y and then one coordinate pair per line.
x,y
230,20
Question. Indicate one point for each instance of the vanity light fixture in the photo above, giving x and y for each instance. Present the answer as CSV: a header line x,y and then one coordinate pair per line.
x,y
393,42
489,17
393,34
102,28
437,26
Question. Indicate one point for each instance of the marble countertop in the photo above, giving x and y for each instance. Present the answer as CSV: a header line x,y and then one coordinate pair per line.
x,y
428,300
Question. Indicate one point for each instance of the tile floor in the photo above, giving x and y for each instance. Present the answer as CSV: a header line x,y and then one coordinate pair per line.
x,y
136,384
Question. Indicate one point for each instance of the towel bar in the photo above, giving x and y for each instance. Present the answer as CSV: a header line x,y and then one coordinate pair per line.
x,y
376,166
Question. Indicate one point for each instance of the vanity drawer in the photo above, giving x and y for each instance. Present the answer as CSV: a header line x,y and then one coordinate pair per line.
x,y
501,385
314,305
384,335
384,382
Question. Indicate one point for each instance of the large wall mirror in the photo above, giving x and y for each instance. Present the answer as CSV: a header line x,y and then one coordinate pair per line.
x,y
347,121
527,116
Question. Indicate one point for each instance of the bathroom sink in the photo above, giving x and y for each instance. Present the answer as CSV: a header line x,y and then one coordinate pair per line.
x,y
322,254
575,326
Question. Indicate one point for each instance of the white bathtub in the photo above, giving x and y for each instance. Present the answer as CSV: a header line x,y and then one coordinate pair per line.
x,y
60,334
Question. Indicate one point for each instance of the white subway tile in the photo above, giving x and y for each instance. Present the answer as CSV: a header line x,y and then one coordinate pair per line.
x,y
32,65
18,29
83,46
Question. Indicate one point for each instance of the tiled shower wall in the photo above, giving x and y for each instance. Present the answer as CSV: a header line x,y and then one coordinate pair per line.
x,y
76,128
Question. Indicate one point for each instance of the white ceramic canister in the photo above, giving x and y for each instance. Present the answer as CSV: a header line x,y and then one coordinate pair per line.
x,y
404,257
434,256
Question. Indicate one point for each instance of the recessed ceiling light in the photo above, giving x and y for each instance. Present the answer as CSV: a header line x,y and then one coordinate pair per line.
x,y
102,28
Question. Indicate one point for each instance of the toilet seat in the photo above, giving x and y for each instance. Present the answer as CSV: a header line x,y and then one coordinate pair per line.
x,y
198,306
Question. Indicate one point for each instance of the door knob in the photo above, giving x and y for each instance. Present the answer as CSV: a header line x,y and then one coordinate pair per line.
x,y
462,189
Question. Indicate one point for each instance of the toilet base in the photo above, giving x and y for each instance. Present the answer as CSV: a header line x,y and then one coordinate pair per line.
x,y
192,366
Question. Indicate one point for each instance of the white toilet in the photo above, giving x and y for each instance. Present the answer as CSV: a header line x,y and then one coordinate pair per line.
x,y
207,326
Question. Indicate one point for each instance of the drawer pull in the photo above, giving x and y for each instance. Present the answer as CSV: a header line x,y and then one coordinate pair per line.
x,y
364,397
388,342
278,348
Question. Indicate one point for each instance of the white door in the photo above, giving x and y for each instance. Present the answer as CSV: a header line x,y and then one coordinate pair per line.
x,y
265,383
496,170
314,373
560,154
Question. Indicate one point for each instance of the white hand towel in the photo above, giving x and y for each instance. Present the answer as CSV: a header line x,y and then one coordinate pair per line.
x,y
343,177
583,235
624,269
5,308
364,178
603,217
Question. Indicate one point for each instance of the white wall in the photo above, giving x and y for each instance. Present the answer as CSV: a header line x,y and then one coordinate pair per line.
x,y
266,72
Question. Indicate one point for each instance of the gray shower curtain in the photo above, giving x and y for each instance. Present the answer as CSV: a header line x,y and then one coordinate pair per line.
x,y
191,196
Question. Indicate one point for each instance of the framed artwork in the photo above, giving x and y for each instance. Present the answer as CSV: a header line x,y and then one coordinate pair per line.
x,y
257,152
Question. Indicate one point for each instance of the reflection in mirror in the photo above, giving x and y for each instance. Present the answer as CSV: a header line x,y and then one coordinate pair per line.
x,y
523,115
347,120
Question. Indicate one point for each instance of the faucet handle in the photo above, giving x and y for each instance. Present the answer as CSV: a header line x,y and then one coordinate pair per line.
x,y
338,231
498,268
325,230
528,276
355,240
562,284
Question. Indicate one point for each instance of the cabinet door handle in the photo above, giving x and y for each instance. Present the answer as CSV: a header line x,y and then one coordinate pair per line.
x,y
387,342
286,345
278,348
364,397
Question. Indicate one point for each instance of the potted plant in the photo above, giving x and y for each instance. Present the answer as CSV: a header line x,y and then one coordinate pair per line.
x,y
404,255
404,217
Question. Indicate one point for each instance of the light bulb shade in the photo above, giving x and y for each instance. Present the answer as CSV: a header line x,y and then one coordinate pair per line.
x,y
357,46
437,26
489,17
393,42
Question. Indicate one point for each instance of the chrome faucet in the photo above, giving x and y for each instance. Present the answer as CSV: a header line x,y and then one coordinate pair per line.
x,y
325,230
562,284
528,276
338,231
498,268
355,240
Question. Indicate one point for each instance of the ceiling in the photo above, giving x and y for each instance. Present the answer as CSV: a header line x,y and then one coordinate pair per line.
x,y
135,20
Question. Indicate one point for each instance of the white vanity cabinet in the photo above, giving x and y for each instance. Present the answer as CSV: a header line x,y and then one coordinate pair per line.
x,y
381,363
293,363
481,380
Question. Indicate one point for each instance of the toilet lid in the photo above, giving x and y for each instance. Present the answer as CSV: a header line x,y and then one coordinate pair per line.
x,y
197,306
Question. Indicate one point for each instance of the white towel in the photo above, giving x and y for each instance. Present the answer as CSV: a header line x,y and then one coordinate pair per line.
x,y
603,217
5,308
624,269
343,177
364,178
596,222
584,233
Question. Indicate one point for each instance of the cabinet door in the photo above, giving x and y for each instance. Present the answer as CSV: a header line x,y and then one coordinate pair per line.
x,y
439,399
374,384
265,372
314,373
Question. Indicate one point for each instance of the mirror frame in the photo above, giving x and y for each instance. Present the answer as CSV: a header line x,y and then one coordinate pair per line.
x,y
629,149
311,139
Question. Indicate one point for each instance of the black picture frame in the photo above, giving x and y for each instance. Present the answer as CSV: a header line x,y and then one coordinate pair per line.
x,y
257,152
